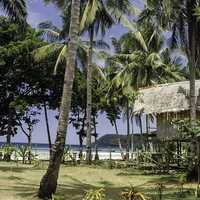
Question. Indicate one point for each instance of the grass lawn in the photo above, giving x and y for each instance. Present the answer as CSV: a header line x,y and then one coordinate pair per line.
x,y
21,182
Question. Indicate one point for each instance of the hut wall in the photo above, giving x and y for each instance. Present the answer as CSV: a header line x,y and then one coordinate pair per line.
x,y
165,128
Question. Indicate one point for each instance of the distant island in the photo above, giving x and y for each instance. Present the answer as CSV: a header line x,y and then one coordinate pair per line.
x,y
112,139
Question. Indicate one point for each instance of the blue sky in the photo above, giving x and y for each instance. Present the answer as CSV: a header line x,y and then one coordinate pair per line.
x,y
38,12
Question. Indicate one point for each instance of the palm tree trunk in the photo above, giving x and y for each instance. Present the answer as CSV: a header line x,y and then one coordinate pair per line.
x,y
141,131
81,135
29,146
81,146
47,127
89,98
192,31
7,156
191,53
119,140
147,132
132,135
95,139
128,130
48,183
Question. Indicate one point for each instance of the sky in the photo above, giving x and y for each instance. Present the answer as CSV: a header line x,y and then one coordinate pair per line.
x,y
39,12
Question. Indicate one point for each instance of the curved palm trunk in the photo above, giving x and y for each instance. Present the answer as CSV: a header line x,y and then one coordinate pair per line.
x,y
119,140
29,137
89,99
81,136
96,157
7,156
48,183
132,135
128,131
47,127
81,146
192,31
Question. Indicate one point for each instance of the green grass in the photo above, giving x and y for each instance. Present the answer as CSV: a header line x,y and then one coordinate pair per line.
x,y
21,182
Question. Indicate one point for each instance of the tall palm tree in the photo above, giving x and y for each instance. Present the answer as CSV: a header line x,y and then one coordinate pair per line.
x,y
48,183
179,17
99,14
140,63
96,15
15,9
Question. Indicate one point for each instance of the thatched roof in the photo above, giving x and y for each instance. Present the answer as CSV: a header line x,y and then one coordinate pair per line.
x,y
165,98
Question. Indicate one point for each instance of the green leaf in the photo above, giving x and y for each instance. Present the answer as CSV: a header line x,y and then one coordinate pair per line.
x,y
62,56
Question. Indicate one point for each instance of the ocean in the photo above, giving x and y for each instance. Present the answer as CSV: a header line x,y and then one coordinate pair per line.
x,y
42,150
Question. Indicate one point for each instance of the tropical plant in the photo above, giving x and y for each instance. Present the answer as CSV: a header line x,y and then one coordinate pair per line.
x,y
95,195
16,10
97,15
7,152
67,155
48,183
23,152
139,64
132,194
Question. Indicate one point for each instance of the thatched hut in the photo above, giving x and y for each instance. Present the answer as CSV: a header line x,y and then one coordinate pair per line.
x,y
167,102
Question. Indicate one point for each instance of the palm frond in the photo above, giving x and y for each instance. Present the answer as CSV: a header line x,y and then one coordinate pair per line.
x,y
49,32
62,56
99,72
16,10
47,51
89,14
133,28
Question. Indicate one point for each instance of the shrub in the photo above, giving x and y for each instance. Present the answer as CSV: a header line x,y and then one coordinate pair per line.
x,y
132,194
95,195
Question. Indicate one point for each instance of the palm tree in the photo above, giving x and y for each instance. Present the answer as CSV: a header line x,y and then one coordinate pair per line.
x,y
57,47
179,17
97,15
48,183
15,9
140,62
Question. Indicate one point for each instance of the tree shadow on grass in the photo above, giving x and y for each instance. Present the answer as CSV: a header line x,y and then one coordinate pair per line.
x,y
12,169
15,178
26,191
167,180
77,189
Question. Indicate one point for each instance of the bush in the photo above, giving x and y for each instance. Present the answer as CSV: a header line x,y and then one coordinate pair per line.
x,y
132,194
95,195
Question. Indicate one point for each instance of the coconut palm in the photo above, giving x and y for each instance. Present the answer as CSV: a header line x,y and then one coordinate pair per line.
x,y
180,17
97,15
48,183
101,15
139,65
15,9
